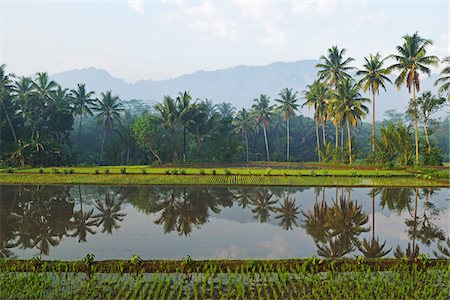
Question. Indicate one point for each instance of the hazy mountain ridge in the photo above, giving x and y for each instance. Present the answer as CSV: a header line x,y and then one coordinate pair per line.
x,y
238,85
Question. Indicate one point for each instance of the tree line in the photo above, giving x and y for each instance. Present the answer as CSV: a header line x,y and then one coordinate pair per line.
x,y
45,124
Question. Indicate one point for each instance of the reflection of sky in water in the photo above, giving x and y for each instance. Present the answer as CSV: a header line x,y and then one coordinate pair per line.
x,y
234,232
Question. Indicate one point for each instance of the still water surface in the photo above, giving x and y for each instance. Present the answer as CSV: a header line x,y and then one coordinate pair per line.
x,y
167,222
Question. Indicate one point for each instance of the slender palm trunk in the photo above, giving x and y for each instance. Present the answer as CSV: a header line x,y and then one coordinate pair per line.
x,y
337,135
79,132
425,129
174,147
323,132
103,142
197,140
373,127
184,143
9,122
267,144
287,140
342,135
316,119
349,142
246,143
416,129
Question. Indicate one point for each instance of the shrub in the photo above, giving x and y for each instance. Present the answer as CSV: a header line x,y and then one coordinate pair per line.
x,y
183,172
354,173
202,172
144,171
106,171
10,170
213,172
41,171
167,172
175,172
97,171
89,259
123,170
56,171
227,172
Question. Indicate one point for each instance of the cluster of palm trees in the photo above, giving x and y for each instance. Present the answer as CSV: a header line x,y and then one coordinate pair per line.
x,y
336,96
30,102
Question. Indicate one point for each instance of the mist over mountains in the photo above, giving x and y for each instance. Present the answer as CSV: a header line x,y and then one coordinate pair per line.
x,y
238,85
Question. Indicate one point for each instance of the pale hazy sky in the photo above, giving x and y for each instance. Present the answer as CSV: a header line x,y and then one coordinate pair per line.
x,y
162,39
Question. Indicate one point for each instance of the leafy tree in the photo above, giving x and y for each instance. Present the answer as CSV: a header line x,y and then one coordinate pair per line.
x,y
411,60
426,105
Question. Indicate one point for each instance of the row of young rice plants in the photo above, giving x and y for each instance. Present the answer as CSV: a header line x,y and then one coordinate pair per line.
x,y
262,281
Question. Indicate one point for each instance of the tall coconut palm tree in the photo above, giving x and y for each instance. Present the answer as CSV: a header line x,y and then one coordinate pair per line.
x,y
183,102
374,77
411,60
168,117
200,123
316,96
109,109
263,113
334,67
43,90
82,102
243,123
351,103
22,89
5,93
287,106
444,79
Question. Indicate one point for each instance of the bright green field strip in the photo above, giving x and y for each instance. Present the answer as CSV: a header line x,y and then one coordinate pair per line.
x,y
148,179
221,171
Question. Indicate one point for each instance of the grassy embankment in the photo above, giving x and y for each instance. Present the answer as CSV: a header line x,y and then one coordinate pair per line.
x,y
246,279
142,175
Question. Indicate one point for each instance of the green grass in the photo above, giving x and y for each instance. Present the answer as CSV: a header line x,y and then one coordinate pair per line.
x,y
287,279
143,175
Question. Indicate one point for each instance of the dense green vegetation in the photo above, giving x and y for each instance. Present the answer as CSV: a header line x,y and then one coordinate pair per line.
x,y
44,124
307,279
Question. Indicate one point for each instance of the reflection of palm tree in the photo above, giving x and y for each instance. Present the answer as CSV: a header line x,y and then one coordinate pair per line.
x,y
422,228
346,219
373,248
334,247
288,212
243,197
82,221
45,238
110,214
394,198
315,221
263,205
444,249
